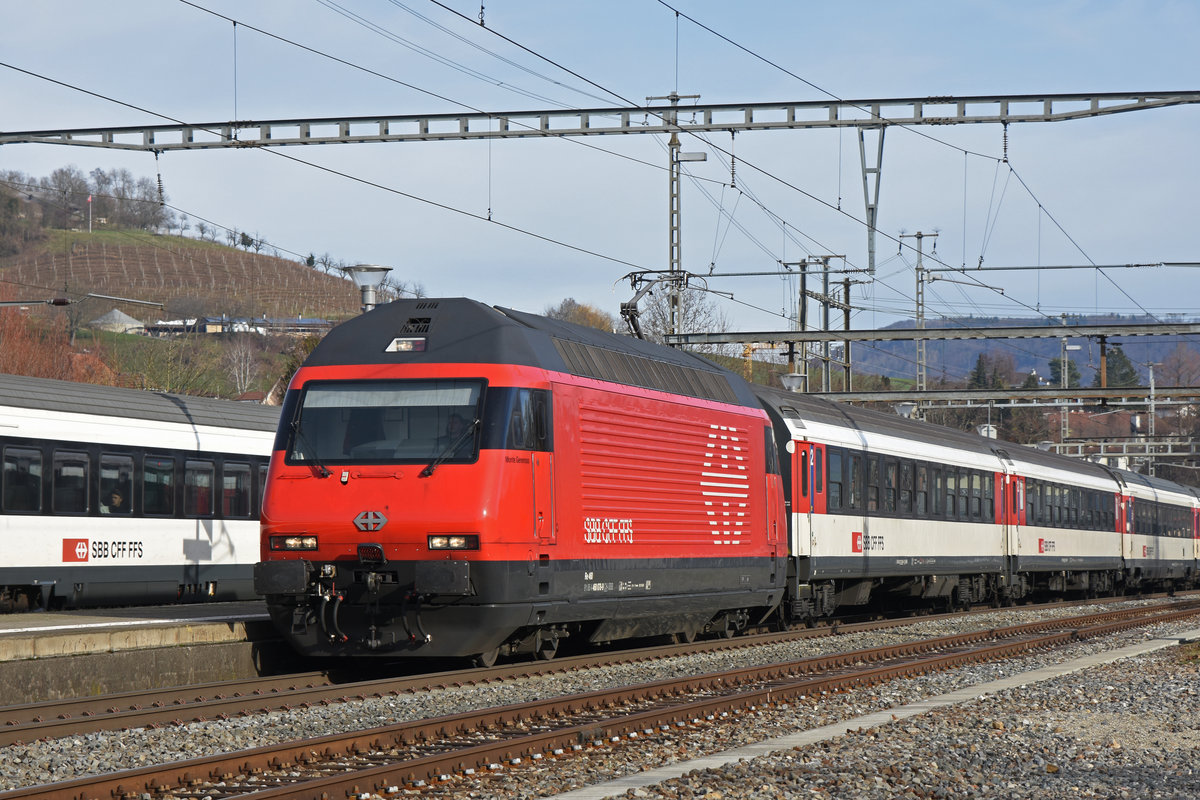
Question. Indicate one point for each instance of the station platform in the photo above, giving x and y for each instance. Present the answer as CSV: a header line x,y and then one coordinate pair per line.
x,y
57,654
78,632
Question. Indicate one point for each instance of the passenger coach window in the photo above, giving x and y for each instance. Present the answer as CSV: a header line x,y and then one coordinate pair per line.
x,y
976,495
922,490
22,479
158,485
906,488
818,471
70,492
235,490
116,484
951,493
854,479
889,486
198,489
835,479
802,465
872,483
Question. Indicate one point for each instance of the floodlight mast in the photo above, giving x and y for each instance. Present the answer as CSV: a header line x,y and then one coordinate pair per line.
x,y
368,278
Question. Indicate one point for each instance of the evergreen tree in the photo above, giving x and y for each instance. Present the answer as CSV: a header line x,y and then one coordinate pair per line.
x,y
1121,371
1056,373
979,377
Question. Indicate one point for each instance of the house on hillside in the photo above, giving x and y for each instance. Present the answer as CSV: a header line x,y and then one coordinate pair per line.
x,y
172,327
118,321
297,326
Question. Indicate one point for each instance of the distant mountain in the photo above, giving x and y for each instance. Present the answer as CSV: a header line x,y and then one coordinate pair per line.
x,y
953,360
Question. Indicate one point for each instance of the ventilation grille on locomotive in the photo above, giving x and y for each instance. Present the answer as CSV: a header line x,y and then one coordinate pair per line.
x,y
608,365
415,325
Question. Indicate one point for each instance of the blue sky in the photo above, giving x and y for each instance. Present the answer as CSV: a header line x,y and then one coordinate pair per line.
x,y
1112,190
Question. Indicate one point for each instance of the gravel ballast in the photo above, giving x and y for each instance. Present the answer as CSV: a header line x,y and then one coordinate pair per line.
x,y
1129,727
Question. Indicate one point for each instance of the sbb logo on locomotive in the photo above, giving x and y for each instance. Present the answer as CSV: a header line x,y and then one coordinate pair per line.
x,y
607,530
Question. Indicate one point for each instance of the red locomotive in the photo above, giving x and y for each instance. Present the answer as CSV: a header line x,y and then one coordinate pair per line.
x,y
452,479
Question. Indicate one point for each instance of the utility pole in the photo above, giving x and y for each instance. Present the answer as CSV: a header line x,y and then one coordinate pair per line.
x,y
871,176
922,366
674,211
1153,414
827,302
1064,420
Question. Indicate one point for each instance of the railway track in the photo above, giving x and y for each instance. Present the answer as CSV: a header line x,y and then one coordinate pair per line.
x,y
412,754
225,699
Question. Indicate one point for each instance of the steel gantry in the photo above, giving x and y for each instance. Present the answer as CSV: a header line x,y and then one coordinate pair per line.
x,y
866,115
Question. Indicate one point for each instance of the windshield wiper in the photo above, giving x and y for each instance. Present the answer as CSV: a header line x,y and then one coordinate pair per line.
x,y
322,470
450,448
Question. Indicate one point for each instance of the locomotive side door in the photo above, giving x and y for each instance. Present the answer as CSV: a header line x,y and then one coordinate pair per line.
x,y
542,463
543,498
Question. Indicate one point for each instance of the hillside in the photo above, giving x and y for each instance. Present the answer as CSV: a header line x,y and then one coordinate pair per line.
x,y
189,277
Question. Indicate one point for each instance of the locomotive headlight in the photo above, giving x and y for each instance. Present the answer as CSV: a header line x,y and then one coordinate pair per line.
x,y
454,541
293,542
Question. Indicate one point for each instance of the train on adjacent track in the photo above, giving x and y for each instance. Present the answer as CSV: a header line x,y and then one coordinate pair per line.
x,y
451,479
112,496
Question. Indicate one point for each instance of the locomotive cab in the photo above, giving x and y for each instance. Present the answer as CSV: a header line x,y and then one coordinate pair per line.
x,y
384,492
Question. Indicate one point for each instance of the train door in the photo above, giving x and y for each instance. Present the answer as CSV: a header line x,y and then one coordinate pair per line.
x,y
808,493
1125,525
1196,537
1012,510
542,459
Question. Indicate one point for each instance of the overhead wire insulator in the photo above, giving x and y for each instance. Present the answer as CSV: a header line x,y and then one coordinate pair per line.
x,y
161,197
732,160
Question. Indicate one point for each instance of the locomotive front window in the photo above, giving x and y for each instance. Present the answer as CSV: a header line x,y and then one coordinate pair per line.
x,y
395,421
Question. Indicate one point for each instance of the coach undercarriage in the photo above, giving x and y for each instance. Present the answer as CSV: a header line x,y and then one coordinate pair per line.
x,y
813,600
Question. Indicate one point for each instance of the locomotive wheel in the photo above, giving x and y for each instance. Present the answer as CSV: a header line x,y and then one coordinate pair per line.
x,y
487,658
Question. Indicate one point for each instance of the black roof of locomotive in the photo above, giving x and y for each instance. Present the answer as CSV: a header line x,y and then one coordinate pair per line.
x,y
460,330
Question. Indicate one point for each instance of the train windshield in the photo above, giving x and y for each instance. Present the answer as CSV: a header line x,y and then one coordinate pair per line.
x,y
394,421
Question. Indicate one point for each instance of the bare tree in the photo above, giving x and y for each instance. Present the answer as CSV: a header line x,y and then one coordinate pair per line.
x,y
241,361
582,314
698,313
67,191
394,288
1181,367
